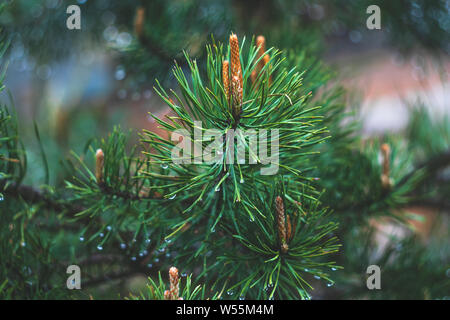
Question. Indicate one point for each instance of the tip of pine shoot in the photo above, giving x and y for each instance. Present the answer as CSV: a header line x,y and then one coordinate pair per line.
x,y
99,160
385,148
173,271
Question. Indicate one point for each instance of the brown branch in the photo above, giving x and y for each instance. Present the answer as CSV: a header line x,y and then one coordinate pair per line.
x,y
433,164
34,195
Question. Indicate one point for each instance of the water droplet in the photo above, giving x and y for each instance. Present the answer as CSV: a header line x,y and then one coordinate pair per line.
x,y
213,229
23,244
330,284
333,269
123,246
1,197
355,36
101,235
29,271
122,93
164,165
317,277
99,247
147,94
110,33
44,72
150,265
230,292
242,180
81,239
269,286
306,270
184,274
168,241
167,255
123,39
141,254
147,241
172,197
156,260
241,298
145,252
120,73
133,258
109,228
162,249
217,189
135,96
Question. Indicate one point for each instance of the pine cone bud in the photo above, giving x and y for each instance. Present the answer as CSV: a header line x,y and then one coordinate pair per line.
x,y
253,76
174,283
236,70
236,96
167,295
266,61
281,223
261,45
99,161
263,60
289,234
385,153
226,78
139,21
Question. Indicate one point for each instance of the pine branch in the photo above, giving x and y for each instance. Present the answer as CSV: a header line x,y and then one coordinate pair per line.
x,y
431,165
33,195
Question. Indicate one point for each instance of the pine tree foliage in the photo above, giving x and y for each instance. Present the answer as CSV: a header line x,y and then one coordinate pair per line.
x,y
235,197
129,210
151,29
